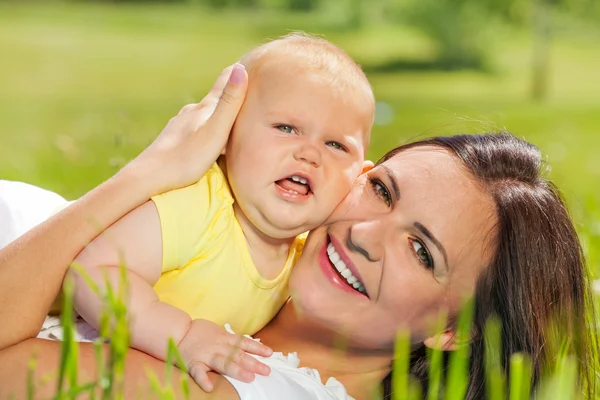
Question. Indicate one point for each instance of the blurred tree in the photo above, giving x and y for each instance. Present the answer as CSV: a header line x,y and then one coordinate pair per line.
x,y
302,5
233,3
464,29
541,49
460,28
356,13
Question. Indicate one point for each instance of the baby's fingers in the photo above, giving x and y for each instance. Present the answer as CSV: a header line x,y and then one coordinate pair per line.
x,y
253,347
251,364
240,366
198,371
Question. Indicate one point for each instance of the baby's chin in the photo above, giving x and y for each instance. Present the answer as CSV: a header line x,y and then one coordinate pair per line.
x,y
282,232
281,228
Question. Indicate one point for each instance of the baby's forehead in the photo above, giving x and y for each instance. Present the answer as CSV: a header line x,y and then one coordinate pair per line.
x,y
315,83
326,66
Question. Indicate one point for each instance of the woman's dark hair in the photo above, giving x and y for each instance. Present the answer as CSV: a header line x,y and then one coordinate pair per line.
x,y
537,284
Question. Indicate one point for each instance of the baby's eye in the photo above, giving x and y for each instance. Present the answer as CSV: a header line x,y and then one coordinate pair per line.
x,y
381,191
337,146
285,128
422,253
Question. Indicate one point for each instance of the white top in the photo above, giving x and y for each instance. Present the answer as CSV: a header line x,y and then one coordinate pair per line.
x,y
288,381
23,206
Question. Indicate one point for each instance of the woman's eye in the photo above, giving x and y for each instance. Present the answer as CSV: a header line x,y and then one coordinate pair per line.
x,y
422,254
337,146
381,191
285,128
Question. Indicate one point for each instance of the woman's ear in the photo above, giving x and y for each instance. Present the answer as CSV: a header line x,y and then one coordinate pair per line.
x,y
367,166
445,341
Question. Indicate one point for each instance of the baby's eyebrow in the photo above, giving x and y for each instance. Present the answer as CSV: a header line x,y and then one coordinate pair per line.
x,y
351,142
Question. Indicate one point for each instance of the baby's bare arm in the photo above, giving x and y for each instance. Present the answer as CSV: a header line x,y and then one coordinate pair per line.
x,y
134,242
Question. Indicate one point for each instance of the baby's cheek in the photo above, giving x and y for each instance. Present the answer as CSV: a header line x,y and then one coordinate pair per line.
x,y
344,181
351,175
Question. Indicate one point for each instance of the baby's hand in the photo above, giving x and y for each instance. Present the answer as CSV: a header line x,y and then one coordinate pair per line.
x,y
207,346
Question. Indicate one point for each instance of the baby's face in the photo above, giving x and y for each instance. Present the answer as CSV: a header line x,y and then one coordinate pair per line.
x,y
295,150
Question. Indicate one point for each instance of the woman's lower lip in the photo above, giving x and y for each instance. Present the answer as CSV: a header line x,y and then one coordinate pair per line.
x,y
291,197
331,275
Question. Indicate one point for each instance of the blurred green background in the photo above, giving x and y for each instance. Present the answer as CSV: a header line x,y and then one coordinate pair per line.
x,y
85,85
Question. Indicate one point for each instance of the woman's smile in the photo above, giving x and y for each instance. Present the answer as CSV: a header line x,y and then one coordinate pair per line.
x,y
339,270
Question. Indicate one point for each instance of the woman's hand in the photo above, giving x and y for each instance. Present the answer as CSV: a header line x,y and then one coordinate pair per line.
x,y
196,136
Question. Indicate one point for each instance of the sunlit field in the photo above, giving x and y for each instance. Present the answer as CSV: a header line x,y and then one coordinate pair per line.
x,y
85,87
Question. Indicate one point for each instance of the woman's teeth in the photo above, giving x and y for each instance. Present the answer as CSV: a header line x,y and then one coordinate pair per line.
x,y
335,259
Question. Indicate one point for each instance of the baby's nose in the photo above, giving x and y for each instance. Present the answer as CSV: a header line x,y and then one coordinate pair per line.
x,y
309,154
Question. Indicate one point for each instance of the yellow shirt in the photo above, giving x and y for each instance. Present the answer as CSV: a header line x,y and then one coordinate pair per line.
x,y
207,270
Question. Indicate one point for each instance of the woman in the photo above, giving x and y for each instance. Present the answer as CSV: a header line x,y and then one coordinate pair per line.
x,y
433,223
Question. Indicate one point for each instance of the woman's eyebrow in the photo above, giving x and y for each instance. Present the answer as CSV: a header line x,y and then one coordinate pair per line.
x,y
426,232
394,181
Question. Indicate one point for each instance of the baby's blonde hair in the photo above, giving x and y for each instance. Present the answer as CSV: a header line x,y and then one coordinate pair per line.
x,y
311,54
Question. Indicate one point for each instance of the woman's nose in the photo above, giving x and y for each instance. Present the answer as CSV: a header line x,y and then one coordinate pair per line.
x,y
308,153
366,239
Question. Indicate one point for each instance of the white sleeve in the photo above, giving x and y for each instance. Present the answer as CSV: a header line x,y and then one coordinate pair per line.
x,y
23,206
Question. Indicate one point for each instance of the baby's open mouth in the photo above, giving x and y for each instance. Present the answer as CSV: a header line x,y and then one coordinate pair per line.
x,y
343,272
295,184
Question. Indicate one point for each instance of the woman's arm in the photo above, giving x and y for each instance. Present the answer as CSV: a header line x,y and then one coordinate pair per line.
x,y
14,362
32,267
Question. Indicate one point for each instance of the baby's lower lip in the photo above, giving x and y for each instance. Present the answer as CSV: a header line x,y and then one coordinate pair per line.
x,y
291,196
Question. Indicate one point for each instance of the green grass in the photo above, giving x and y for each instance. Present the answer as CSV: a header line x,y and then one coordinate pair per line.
x,y
561,383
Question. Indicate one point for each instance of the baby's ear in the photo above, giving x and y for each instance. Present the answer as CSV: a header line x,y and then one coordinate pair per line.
x,y
367,166
444,341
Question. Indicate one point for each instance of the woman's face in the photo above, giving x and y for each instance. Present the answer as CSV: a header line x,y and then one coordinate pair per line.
x,y
415,232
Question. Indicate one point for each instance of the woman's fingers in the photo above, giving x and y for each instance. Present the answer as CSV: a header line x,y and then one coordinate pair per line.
x,y
213,96
187,108
230,100
210,101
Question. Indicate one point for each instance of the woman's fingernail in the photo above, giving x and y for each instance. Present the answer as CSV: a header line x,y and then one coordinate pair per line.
x,y
237,74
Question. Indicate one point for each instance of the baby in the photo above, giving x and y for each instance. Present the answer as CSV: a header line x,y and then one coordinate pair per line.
x,y
221,250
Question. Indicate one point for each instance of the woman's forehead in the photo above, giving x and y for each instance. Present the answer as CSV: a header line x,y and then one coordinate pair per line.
x,y
422,156
428,163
